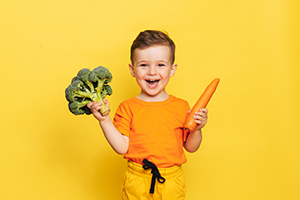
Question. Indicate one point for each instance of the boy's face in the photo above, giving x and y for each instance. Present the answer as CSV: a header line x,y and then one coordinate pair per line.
x,y
152,68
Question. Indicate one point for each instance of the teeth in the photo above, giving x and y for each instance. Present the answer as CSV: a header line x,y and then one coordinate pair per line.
x,y
151,81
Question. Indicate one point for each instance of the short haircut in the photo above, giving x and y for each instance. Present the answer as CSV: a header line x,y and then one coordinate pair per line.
x,y
149,38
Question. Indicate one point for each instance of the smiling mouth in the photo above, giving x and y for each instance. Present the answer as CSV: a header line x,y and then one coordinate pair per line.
x,y
152,83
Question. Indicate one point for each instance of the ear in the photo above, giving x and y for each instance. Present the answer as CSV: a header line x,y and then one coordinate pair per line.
x,y
131,68
173,70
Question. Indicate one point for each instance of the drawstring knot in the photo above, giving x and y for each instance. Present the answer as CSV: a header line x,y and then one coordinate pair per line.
x,y
155,174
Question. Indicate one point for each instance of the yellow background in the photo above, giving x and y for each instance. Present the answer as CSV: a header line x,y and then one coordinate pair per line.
x,y
251,142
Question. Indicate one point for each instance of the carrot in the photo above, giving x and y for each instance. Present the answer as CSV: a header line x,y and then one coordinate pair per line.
x,y
202,102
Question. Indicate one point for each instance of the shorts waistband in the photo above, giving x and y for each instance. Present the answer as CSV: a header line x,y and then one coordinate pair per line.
x,y
165,172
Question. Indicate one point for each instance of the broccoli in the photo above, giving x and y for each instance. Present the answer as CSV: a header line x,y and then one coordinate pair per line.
x,y
89,86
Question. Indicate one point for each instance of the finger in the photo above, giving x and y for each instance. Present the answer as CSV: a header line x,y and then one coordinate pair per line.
x,y
203,110
200,123
200,114
98,115
89,105
96,107
92,104
199,118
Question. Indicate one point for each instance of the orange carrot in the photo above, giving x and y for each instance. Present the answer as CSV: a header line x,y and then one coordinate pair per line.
x,y
202,102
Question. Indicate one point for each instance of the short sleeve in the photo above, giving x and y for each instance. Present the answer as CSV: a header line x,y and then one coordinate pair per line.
x,y
122,119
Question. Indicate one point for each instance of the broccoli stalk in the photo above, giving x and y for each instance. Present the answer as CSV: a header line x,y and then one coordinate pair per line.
x,y
89,86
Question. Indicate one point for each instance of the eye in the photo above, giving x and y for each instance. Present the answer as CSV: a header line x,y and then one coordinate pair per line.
x,y
143,65
161,65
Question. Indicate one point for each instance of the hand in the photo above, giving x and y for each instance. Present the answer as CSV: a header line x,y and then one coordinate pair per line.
x,y
95,107
201,118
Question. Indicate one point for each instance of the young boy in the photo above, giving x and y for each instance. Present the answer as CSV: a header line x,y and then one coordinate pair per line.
x,y
148,129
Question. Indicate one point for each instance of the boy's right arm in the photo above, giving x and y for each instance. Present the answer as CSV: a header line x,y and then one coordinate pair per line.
x,y
117,141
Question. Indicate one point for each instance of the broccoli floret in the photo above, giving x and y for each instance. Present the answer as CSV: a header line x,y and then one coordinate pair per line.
x,y
101,75
79,108
89,86
84,75
106,90
77,89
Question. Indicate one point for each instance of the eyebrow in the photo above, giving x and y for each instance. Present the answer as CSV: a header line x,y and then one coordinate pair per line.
x,y
147,61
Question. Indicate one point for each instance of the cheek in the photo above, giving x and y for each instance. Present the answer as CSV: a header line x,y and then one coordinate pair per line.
x,y
166,74
139,75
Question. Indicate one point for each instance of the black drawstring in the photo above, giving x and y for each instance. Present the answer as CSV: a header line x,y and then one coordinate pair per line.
x,y
155,172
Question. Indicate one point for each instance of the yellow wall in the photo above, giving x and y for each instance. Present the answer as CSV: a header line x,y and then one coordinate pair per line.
x,y
251,144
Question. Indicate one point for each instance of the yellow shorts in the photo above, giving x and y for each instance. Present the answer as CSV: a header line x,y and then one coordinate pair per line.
x,y
137,182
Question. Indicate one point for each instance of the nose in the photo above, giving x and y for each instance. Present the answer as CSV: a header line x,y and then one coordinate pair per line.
x,y
152,70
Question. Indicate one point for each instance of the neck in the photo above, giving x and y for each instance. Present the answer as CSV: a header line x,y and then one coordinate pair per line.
x,y
146,97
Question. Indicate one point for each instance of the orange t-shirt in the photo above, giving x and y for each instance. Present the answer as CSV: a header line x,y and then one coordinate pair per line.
x,y
155,130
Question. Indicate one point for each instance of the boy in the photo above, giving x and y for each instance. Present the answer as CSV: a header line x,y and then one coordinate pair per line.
x,y
148,129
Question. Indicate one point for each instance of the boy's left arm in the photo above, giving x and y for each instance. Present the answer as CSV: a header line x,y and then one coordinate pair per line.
x,y
194,138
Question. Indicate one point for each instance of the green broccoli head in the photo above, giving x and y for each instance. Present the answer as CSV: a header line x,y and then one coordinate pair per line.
x,y
77,89
101,74
106,90
84,75
74,79
78,96
88,86
79,108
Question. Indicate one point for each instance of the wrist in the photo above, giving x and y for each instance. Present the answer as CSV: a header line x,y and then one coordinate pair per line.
x,y
105,121
197,131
